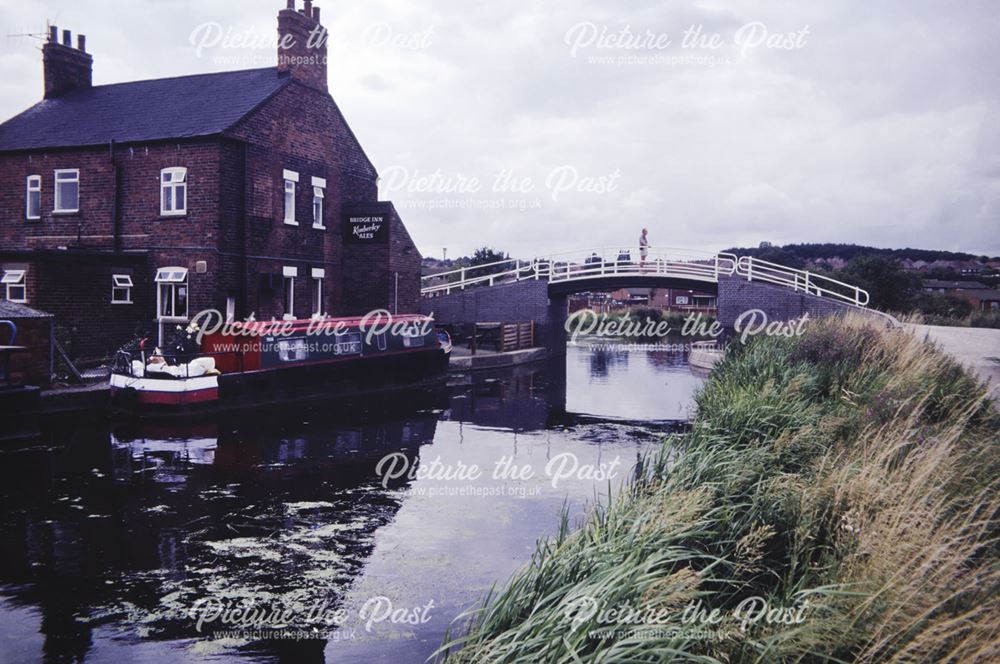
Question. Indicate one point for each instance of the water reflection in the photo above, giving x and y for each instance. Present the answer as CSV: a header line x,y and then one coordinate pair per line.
x,y
629,382
111,533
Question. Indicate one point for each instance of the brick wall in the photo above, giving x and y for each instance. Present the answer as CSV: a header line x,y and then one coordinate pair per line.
x,y
76,289
117,230
233,226
737,296
92,226
531,300
34,366
129,180
367,285
405,261
301,129
507,303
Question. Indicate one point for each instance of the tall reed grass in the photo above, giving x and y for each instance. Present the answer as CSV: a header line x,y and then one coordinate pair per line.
x,y
851,473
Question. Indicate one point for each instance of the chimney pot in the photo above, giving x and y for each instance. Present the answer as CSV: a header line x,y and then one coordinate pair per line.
x,y
291,4
66,68
298,56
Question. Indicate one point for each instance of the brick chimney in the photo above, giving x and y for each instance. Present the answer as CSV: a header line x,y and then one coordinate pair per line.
x,y
66,68
302,44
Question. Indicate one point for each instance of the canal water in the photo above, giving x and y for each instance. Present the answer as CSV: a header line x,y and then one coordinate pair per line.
x,y
339,532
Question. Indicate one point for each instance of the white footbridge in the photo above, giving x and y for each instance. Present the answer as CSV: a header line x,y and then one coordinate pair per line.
x,y
612,267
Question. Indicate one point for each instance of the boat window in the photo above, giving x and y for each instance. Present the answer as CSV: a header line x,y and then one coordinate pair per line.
x,y
293,350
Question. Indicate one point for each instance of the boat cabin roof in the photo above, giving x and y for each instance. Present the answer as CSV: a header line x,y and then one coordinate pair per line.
x,y
301,325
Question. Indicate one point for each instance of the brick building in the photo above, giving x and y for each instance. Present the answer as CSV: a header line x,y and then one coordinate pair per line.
x,y
977,294
669,299
135,205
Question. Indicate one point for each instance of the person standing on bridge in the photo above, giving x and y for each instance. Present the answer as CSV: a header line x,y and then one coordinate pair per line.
x,y
643,247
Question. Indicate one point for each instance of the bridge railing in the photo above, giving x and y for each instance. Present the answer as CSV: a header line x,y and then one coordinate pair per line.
x,y
755,269
578,265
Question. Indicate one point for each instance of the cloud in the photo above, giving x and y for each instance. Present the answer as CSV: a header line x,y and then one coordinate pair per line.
x,y
877,125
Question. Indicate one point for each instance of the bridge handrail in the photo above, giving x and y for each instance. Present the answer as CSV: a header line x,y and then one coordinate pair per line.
x,y
756,269
658,261
704,268
702,265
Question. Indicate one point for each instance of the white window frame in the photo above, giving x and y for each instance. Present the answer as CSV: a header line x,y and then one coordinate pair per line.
x,y
230,308
119,283
291,182
60,178
171,278
15,279
170,188
288,290
33,185
318,275
319,193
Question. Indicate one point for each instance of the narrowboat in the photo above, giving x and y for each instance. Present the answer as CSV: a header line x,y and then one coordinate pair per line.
x,y
252,363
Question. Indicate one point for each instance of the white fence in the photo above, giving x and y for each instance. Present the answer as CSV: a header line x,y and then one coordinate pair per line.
x,y
811,283
591,264
615,262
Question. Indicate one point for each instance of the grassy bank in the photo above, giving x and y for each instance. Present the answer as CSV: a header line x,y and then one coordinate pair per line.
x,y
850,474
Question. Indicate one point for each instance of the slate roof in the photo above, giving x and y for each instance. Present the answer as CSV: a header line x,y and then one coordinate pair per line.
x,y
958,285
164,108
15,310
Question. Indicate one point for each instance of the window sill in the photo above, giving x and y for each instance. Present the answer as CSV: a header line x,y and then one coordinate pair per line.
x,y
17,301
319,228
65,213
173,215
288,317
129,302
291,223
32,219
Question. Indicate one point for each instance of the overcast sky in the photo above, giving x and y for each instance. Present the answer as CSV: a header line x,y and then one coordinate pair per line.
x,y
536,127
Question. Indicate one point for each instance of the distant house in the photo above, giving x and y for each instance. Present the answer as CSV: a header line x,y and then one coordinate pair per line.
x,y
683,299
632,297
944,286
670,299
597,301
911,265
832,263
135,205
979,295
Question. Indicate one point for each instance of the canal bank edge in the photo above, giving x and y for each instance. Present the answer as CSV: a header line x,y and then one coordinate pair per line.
x,y
458,364
804,457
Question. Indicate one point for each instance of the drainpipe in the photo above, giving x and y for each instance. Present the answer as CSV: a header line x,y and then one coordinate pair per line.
x,y
244,286
395,303
115,212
